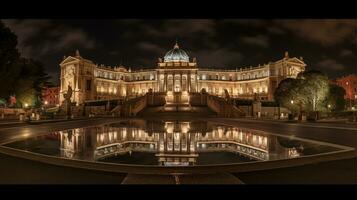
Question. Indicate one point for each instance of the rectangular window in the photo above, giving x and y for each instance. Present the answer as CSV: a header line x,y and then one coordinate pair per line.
x,y
88,85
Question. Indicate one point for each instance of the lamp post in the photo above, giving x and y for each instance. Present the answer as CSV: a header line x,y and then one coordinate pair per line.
x,y
349,92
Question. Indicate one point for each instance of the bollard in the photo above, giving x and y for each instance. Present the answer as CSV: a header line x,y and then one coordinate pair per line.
x,y
21,117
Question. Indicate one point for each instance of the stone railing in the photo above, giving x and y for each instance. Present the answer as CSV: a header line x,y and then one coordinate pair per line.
x,y
133,106
130,107
220,105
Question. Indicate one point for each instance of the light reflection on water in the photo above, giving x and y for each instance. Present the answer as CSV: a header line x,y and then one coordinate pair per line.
x,y
168,143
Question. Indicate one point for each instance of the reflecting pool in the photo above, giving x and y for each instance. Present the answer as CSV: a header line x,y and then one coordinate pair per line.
x,y
169,143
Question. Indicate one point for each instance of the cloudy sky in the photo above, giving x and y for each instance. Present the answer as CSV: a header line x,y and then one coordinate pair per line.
x,y
326,45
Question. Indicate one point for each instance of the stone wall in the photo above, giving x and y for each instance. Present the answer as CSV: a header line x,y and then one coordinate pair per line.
x,y
198,99
156,99
11,113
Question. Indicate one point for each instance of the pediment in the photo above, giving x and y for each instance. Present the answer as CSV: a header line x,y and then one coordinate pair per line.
x,y
68,60
296,60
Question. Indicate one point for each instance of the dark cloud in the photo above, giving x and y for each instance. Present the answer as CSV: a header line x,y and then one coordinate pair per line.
x,y
259,40
229,43
220,58
346,53
276,30
147,46
49,37
324,32
331,64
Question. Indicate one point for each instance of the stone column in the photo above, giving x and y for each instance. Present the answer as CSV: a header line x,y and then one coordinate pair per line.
x,y
165,82
196,82
181,82
189,81
157,82
173,82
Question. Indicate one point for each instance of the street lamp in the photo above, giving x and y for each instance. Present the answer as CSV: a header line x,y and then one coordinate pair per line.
x,y
349,91
46,102
292,101
26,105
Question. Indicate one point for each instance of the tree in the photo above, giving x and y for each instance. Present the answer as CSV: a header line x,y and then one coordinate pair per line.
x,y
285,94
308,92
29,90
9,55
24,77
335,100
314,89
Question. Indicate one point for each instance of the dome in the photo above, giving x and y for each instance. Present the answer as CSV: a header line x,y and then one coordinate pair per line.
x,y
176,55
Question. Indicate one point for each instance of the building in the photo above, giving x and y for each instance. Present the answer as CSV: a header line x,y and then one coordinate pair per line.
x,y
349,83
172,143
175,74
50,96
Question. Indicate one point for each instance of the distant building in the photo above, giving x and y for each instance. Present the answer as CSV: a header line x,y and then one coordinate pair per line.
x,y
349,83
175,74
50,96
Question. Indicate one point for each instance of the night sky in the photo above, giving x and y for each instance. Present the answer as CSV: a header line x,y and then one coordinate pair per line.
x,y
326,45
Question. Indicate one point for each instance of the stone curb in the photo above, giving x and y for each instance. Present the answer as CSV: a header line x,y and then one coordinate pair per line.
x,y
204,169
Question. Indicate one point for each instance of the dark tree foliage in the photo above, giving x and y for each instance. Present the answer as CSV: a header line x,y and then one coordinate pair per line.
x,y
336,98
9,55
19,76
308,92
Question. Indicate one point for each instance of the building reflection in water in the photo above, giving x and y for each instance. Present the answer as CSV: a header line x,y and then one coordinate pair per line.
x,y
172,142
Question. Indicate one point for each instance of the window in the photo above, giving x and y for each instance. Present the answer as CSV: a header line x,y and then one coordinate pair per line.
x,y
203,76
88,85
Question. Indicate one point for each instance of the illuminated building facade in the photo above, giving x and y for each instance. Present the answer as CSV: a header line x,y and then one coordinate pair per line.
x,y
176,74
50,96
349,83
172,142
